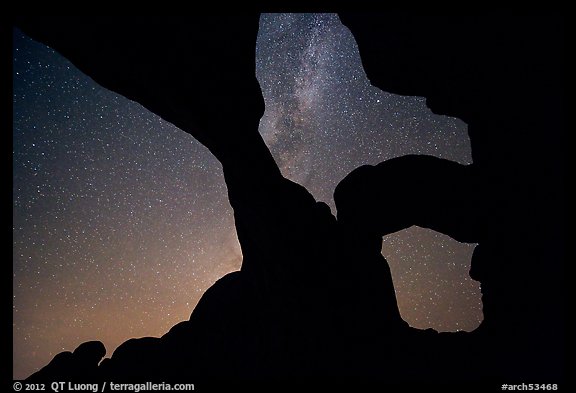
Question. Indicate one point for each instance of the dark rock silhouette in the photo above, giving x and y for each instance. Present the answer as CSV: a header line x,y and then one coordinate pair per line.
x,y
285,312
81,364
452,204
503,75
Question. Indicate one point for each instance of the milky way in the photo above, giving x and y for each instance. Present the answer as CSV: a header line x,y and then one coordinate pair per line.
x,y
121,221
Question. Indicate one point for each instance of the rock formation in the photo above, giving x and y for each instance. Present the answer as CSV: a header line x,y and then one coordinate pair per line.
x,y
284,313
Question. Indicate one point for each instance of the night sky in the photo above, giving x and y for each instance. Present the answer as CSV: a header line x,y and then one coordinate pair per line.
x,y
121,220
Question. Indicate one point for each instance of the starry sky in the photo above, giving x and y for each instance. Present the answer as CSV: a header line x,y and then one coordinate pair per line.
x,y
121,220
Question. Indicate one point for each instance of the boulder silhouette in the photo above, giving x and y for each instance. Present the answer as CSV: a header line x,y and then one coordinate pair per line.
x,y
314,295
82,364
